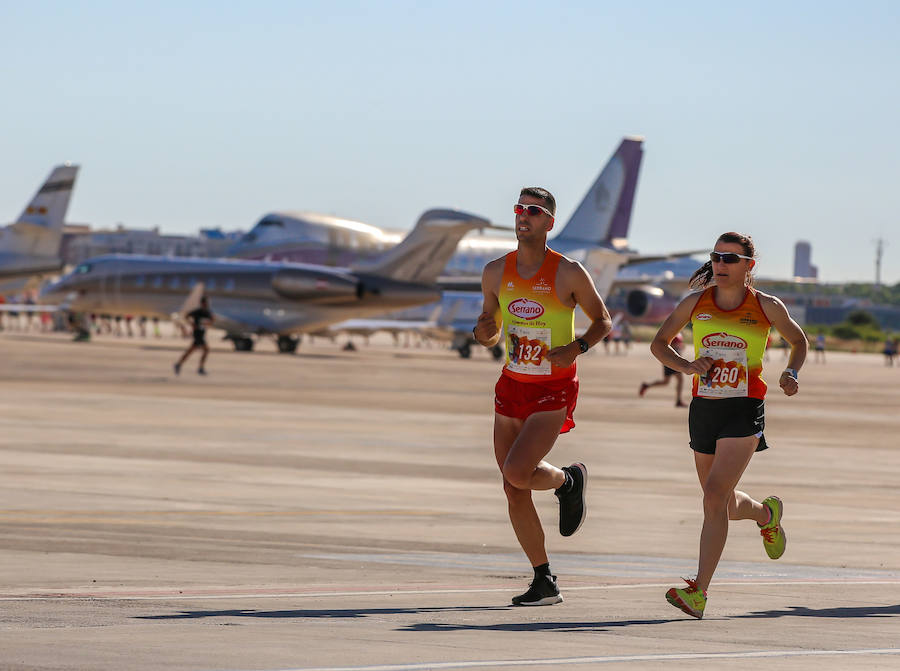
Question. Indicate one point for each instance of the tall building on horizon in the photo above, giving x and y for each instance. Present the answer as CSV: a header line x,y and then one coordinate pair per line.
x,y
804,270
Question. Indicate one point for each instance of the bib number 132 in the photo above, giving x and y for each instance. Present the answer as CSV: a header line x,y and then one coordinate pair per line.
x,y
528,349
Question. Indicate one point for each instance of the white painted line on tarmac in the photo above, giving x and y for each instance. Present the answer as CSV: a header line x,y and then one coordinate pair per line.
x,y
181,596
484,664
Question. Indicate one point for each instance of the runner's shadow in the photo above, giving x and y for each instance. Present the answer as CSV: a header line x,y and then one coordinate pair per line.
x,y
348,613
846,612
534,626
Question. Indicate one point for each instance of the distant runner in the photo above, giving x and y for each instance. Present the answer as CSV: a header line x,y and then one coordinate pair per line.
x,y
727,415
677,345
201,317
820,348
529,298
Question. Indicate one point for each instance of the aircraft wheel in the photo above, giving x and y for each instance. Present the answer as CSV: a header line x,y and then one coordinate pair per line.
x,y
465,351
497,352
288,344
242,344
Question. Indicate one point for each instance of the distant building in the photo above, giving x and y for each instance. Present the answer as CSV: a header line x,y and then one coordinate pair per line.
x,y
804,270
81,243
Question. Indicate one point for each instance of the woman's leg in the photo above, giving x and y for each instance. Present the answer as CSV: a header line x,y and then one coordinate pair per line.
x,y
719,474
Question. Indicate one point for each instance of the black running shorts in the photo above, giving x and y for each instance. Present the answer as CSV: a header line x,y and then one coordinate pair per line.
x,y
712,418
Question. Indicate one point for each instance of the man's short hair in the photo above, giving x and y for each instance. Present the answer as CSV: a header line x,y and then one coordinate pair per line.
x,y
543,194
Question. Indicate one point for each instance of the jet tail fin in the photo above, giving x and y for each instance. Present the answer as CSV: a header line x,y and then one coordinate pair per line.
x,y
38,230
605,211
192,301
422,255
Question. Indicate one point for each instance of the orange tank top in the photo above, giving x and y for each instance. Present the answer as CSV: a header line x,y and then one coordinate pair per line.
x,y
534,321
736,341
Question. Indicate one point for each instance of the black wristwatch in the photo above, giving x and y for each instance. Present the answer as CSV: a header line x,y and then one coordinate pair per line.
x,y
582,344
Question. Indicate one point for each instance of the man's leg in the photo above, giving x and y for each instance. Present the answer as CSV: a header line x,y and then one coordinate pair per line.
x,y
649,385
519,448
679,384
203,358
183,358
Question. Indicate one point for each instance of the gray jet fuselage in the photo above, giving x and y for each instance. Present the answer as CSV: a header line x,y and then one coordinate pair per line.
x,y
245,296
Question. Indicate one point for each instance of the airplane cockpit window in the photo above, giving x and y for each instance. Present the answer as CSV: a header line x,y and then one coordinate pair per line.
x,y
260,228
83,268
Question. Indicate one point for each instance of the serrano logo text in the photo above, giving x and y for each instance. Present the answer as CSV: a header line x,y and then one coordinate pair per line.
x,y
526,309
704,317
724,340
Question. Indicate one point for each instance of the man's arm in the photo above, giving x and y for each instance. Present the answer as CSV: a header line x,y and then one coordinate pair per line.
x,y
577,283
778,316
487,329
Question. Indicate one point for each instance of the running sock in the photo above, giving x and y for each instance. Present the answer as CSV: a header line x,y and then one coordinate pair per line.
x,y
542,571
768,519
566,487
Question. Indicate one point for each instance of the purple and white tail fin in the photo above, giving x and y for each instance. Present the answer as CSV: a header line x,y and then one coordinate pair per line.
x,y
605,211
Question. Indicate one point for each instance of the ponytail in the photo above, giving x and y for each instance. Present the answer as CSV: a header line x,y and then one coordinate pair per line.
x,y
702,276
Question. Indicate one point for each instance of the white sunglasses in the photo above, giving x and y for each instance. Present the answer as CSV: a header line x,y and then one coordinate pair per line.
x,y
533,210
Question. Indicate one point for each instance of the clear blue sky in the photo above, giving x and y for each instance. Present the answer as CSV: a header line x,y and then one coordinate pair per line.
x,y
779,119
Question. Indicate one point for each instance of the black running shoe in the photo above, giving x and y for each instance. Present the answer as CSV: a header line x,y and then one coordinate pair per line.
x,y
572,510
542,592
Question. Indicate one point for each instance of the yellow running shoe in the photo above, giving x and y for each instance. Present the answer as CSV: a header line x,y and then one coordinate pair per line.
x,y
690,599
774,539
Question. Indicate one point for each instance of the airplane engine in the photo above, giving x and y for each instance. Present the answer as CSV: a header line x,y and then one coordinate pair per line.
x,y
315,287
649,304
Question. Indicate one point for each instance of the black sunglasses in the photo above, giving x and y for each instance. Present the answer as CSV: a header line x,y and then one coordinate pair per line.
x,y
727,257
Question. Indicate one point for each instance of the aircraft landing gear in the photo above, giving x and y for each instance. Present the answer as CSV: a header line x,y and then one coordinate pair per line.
x,y
288,344
242,343
465,350
497,352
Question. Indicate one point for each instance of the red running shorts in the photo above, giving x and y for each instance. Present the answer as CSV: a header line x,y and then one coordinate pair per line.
x,y
522,399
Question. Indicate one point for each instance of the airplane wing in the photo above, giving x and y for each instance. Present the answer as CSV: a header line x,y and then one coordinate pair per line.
x,y
21,307
369,326
632,260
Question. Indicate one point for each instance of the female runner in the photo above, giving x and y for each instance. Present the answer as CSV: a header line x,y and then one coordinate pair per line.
x,y
731,322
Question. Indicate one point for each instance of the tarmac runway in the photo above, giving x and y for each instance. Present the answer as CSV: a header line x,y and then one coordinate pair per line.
x,y
342,510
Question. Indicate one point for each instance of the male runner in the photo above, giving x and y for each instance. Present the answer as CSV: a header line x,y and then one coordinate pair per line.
x,y
532,292
201,317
